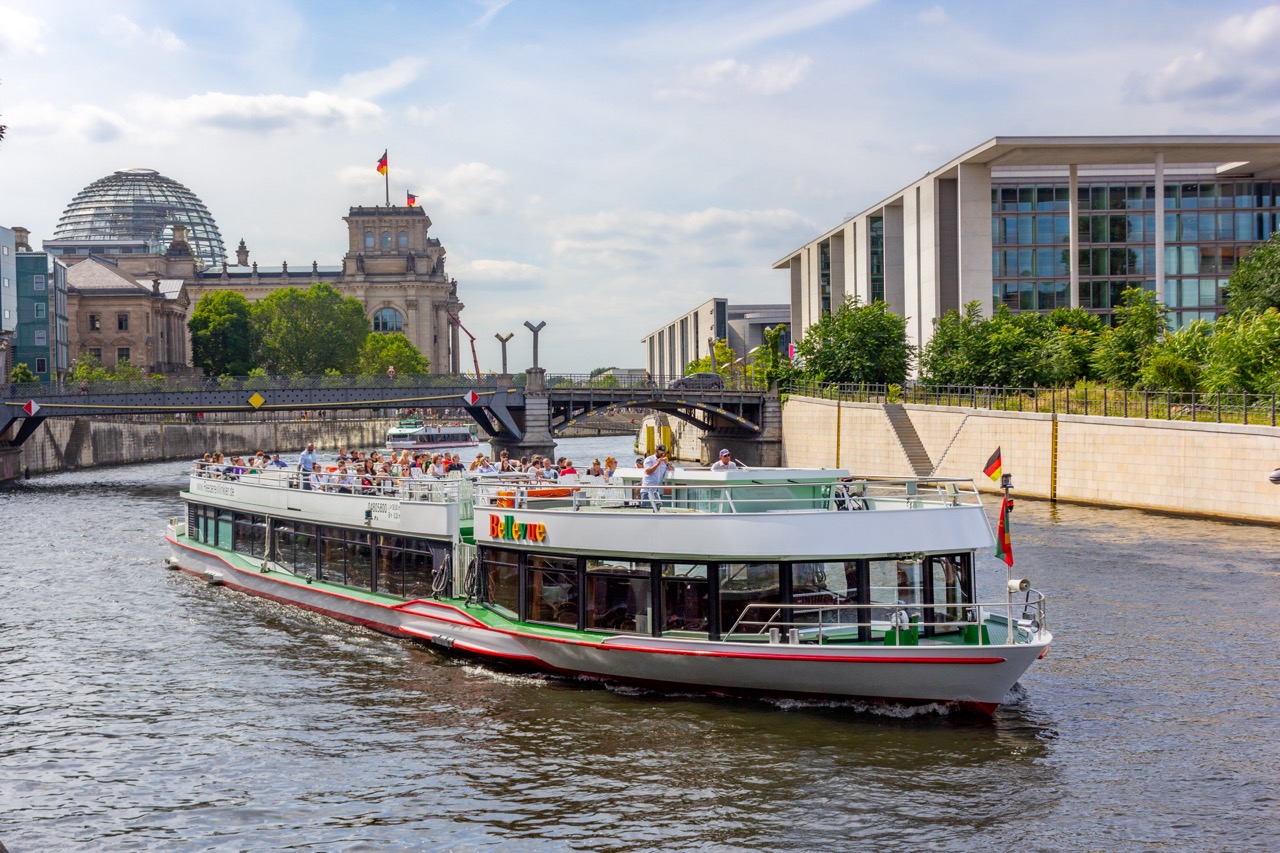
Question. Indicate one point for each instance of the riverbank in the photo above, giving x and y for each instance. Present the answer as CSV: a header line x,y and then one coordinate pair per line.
x,y
66,444
1197,469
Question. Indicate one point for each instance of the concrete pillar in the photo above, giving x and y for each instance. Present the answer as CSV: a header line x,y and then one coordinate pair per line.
x,y
1073,243
797,287
974,199
894,260
1160,226
837,270
537,420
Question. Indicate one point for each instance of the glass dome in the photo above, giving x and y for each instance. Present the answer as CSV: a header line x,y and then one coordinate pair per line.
x,y
142,204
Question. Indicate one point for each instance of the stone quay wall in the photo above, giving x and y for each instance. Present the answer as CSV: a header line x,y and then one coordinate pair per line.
x,y
1211,470
63,444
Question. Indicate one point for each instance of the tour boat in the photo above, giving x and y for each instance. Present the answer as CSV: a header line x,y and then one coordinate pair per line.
x,y
414,434
764,582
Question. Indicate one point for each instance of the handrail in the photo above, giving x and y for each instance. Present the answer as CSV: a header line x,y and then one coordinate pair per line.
x,y
1031,618
729,497
449,490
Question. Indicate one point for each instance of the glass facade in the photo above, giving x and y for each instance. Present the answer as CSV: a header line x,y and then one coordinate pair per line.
x,y
140,207
1209,225
876,228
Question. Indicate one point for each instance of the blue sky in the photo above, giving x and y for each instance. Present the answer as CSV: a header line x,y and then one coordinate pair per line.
x,y
602,166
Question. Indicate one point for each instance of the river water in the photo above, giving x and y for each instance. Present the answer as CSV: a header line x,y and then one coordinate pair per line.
x,y
141,709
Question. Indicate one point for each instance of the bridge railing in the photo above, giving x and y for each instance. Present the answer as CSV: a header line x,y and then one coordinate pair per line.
x,y
1195,406
602,382
248,384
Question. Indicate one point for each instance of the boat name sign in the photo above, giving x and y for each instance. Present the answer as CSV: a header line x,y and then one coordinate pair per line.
x,y
207,487
384,511
506,527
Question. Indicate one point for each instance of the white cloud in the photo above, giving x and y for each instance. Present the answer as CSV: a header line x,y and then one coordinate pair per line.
x,y
751,24
261,113
424,116
380,81
126,31
491,9
772,78
20,34
484,269
82,122
465,189
1235,67
934,15
621,238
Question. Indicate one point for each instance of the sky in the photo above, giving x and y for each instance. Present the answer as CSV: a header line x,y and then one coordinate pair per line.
x,y
600,165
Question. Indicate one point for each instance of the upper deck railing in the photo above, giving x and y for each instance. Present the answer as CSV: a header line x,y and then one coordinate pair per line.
x,y
519,491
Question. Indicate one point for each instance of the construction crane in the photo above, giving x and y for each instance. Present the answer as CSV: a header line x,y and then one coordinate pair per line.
x,y
474,358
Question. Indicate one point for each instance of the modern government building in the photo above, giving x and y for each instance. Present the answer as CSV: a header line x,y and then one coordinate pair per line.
x,y
134,251
1037,223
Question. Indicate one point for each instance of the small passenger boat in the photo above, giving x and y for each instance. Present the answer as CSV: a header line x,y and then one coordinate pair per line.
x,y
415,434
768,582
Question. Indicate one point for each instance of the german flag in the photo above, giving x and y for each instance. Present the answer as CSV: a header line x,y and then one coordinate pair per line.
x,y
382,164
1004,545
993,468
411,200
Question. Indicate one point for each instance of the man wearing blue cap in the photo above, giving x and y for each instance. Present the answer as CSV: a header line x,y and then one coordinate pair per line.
x,y
726,463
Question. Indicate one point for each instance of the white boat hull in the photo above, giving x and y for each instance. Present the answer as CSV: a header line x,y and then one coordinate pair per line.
x,y
975,676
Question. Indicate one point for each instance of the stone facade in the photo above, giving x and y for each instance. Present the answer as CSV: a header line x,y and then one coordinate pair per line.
x,y
1215,470
392,266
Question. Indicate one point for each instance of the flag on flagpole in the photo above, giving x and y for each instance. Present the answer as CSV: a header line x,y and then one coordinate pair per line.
x,y
992,468
411,199
382,164
1004,545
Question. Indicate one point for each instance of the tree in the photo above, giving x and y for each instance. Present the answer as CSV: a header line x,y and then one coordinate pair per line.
x,y
725,357
1123,349
380,351
22,373
1069,349
1244,353
1176,362
1255,285
86,368
222,341
771,365
955,355
857,343
309,331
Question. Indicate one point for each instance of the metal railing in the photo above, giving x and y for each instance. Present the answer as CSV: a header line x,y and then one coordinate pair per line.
x,y
448,490
1191,406
835,495
823,623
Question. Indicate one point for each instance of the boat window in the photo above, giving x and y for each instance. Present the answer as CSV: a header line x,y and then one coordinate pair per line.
x,y
359,560
742,584
223,527
552,589
500,570
894,583
949,590
250,534
404,566
685,599
295,547
619,595
346,557
825,583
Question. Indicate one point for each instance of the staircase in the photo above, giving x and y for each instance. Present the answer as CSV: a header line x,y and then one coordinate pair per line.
x,y
908,439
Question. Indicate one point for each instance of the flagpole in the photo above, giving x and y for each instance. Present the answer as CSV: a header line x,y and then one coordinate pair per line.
x,y
386,177
1006,508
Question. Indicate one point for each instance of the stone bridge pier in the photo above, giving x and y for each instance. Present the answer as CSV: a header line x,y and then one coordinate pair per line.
x,y
762,450
537,421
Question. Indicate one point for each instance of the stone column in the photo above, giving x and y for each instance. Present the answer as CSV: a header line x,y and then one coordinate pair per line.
x,y
1073,211
1160,226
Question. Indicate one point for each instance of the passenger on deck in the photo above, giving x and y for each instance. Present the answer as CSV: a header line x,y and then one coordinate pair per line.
x,y
566,466
438,467
277,462
487,466
317,480
594,470
307,465
454,464
610,467
655,471
727,463
504,463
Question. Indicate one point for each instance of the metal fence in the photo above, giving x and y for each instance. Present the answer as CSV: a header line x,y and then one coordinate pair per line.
x,y
1192,406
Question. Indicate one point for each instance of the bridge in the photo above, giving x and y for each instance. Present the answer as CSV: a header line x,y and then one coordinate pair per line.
x,y
521,412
